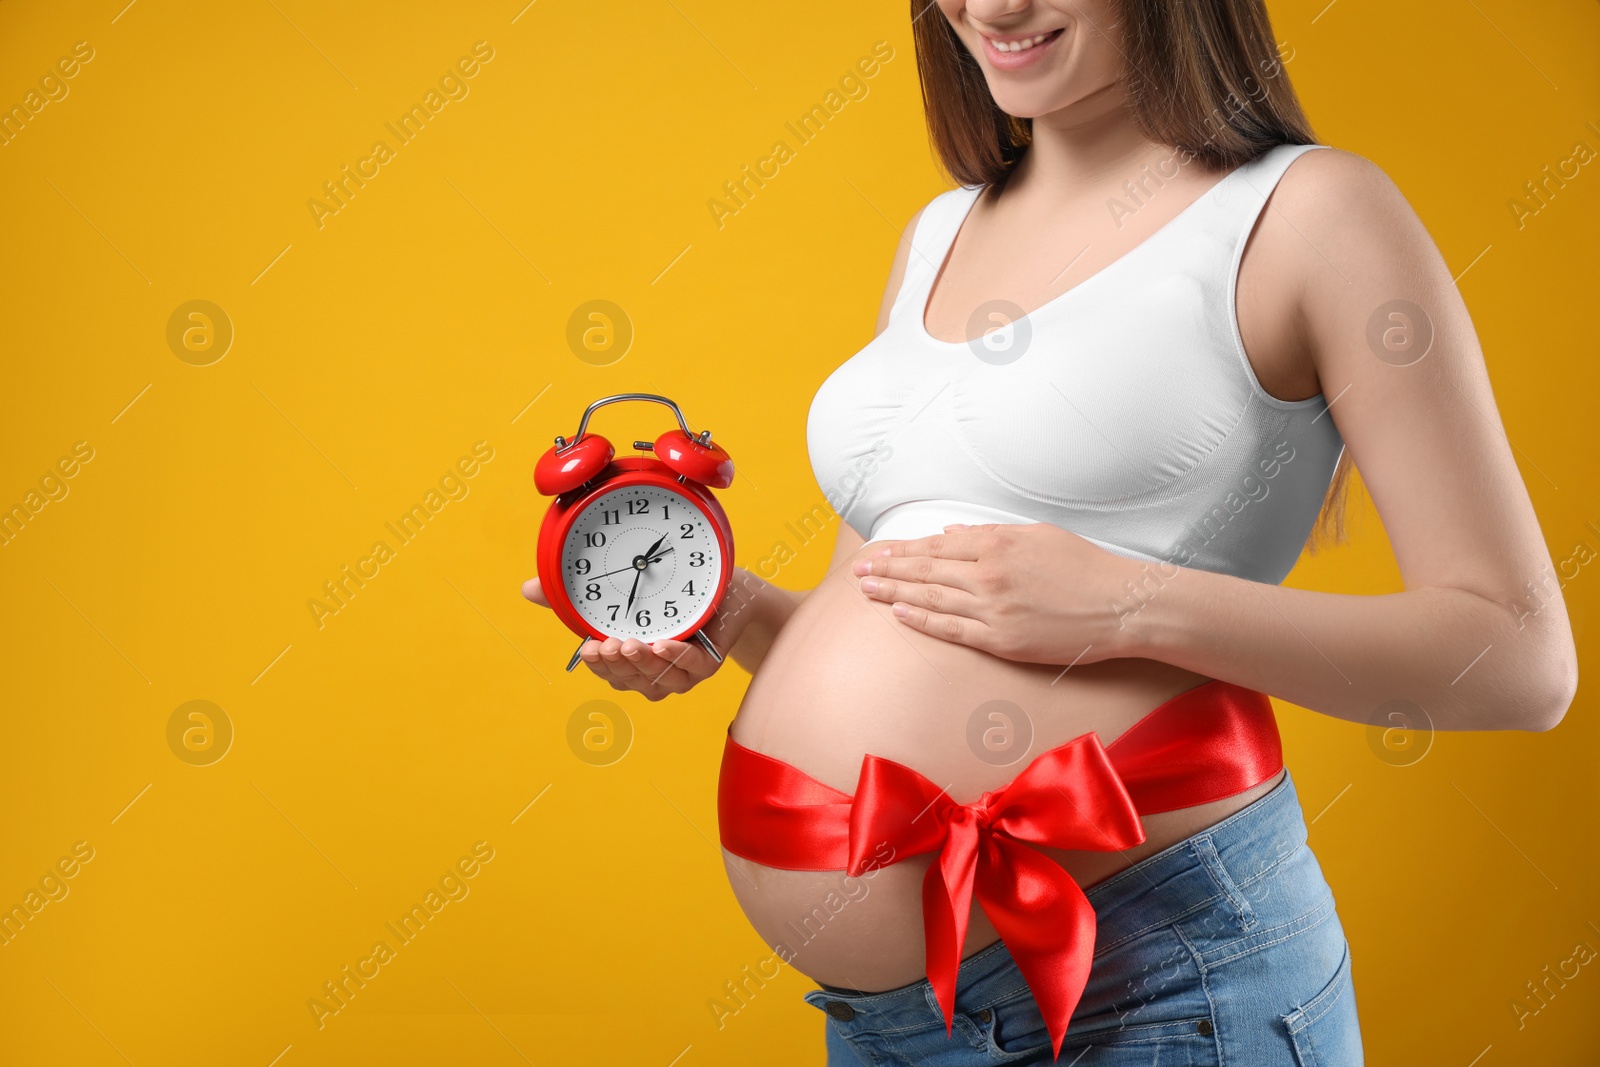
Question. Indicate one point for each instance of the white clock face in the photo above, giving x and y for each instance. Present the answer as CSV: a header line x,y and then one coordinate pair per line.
x,y
642,562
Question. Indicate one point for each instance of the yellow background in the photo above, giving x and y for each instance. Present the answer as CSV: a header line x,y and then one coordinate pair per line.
x,y
372,352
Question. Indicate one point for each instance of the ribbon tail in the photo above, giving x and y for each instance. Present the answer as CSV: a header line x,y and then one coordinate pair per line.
x,y
1047,923
946,909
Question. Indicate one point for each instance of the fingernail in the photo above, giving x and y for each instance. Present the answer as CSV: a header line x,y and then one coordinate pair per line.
x,y
901,609
862,566
869,585
883,551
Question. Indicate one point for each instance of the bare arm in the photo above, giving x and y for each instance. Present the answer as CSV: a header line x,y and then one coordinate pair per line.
x,y
1479,638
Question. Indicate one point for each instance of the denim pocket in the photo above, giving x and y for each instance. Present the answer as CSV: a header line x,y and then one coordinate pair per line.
x,y
1015,1028
1325,1031
1012,1027
1145,1003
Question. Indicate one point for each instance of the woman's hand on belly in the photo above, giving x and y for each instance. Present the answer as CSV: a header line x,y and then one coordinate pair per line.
x,y
1032,592
844,679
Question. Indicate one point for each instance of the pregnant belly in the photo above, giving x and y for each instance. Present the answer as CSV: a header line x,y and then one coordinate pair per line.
x,y
845,678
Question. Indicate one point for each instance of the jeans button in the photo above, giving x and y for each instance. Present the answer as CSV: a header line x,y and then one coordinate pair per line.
x,y
1204,1026
985,1015
840,1010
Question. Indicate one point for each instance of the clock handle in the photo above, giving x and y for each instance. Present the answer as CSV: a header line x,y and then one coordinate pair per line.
x,y
703,437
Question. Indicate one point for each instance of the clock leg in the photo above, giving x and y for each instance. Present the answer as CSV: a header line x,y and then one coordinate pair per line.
x,y
573,662
699,635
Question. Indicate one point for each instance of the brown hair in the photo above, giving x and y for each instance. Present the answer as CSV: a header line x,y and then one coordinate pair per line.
x,y
1203,76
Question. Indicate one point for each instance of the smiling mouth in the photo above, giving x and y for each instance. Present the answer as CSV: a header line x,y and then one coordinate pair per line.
x,y
1022,44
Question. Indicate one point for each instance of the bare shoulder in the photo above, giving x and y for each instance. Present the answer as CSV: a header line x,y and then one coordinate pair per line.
x,y
1346,210
1333,172
1346,242
1336,240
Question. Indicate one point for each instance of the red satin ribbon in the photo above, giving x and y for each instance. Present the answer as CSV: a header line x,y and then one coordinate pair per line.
x,y
1208,743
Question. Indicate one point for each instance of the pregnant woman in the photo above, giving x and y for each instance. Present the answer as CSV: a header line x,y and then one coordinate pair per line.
x,y
1006,784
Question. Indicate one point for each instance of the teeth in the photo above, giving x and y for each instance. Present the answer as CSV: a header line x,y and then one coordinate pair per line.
x,y
1019,46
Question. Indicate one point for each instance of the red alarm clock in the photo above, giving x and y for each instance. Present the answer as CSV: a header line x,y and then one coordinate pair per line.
x,y
637,546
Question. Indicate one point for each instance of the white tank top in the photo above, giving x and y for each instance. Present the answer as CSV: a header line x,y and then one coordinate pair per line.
x,y
1123,410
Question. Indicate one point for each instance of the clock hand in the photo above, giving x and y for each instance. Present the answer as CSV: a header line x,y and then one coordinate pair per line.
x,y
629,567
647,560
608,574
632,591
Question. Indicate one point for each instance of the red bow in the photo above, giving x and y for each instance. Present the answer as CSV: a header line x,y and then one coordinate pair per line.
x,y
1068,798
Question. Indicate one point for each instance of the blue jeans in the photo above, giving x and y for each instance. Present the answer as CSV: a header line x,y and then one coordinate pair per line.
x,y
1224,948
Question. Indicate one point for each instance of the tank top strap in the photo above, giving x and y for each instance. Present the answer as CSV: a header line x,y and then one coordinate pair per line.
x,y
935,231
1244,191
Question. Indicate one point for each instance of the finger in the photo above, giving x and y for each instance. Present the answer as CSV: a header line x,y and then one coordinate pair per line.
x,y
676,668
610,656
956,544
608,669
956,573
648,664
929,595
632,664
630,661
956,629
535,592
680,664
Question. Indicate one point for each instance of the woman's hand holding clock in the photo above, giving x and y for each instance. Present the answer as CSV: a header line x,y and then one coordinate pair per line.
x,y
657,669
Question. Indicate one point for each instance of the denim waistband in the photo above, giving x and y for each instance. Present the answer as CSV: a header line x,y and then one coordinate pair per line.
x,y
1222,860
1186,877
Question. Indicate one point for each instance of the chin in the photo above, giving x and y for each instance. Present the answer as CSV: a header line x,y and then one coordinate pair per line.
x,y
1030,103
1025,105
1063,94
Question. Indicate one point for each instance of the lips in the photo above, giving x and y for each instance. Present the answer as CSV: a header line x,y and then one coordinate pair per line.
x,y
1014,51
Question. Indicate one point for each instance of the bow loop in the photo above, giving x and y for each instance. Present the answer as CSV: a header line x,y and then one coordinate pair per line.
x,y
1068,798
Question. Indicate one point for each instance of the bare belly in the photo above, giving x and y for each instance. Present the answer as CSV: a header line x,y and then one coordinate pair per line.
x,y
845,678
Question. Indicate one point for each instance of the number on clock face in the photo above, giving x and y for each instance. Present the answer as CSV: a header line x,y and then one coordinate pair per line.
x,y
641,562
